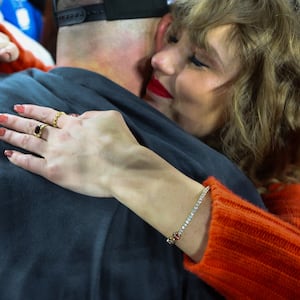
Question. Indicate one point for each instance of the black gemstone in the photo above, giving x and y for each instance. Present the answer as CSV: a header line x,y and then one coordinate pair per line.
x,y
37,129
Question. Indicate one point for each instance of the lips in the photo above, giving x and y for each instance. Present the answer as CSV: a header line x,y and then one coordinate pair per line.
x,y
157,88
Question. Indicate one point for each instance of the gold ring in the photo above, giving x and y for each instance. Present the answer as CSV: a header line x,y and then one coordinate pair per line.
x,y
57,116
38,130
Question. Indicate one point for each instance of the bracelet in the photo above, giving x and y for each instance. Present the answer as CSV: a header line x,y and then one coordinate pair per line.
x,y
177,235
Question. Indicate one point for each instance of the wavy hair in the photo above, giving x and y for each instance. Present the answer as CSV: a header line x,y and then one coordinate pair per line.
x,y
262,131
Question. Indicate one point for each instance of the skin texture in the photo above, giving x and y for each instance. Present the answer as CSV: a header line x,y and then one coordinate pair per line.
x,y
128,56
128,171
111,137
134,199
197,108
8,51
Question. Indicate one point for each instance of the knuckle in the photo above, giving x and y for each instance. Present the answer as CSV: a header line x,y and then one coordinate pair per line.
x,y
24,141
31,125
29,108
63,136
44,116
24,160
114,114
70,123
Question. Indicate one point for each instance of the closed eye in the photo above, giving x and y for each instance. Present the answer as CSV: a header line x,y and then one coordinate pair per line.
x,y
197,62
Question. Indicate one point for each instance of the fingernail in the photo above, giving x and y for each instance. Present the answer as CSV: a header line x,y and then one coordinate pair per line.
x,y
3,118
2,131
8,153
19,108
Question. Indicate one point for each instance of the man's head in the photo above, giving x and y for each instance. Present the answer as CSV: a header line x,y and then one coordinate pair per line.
x,y
112,37
112,9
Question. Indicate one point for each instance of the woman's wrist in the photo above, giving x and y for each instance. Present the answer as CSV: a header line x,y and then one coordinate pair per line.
x,y
164,198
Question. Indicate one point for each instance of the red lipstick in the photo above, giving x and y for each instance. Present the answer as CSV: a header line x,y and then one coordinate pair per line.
x,y
157,88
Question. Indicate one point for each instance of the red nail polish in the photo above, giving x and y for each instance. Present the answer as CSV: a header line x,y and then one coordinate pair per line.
x,y
8,153
2,131
3,118
19,108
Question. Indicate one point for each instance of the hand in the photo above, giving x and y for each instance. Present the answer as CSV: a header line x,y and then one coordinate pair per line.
x,y
8,51
95,154
82,154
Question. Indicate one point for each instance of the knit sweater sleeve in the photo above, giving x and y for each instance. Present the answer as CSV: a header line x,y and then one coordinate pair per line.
x,y
252,254
284,201
26,58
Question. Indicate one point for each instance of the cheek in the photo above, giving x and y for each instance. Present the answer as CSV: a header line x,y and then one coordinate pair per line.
x,y
199,95
199,108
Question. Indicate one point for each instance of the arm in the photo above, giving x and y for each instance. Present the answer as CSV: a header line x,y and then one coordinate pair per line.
x,y
252,247
283,201
115,164
232,240
20,59
133,174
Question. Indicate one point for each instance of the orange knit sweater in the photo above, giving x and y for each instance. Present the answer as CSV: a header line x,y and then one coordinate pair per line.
x,y
251,254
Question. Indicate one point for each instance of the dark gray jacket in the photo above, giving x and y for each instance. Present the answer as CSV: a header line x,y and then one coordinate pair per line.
x,y
55,244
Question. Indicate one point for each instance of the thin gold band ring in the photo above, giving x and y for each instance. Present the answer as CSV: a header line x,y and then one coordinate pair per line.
x,y
57,116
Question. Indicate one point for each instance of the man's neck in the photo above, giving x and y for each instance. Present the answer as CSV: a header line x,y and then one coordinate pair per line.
x,y
122,61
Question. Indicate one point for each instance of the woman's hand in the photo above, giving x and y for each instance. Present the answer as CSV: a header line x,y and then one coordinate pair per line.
x,y
8,51
83,153
95,154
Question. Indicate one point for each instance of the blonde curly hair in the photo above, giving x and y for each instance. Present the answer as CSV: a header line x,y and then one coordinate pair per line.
x,y
262,131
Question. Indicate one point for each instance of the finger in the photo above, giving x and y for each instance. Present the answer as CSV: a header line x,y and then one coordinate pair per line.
x,y
8,50
26,161
40,131
24,125
4,56
91,114
41,113
9,53
24,141
13,52
4,40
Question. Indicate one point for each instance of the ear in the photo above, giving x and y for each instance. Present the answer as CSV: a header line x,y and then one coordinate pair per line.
x,y
162,28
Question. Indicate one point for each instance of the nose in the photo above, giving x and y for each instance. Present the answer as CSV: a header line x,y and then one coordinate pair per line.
x,y
167,61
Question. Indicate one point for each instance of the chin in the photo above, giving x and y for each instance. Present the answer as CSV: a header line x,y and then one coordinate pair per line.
x,y
159,103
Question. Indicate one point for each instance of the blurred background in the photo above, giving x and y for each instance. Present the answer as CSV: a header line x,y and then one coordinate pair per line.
x,y
33,24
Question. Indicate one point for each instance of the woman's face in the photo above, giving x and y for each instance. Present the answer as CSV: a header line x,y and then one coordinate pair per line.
x,y
191,85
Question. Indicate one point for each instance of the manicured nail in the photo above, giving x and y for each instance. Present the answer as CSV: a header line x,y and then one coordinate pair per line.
x,y
2,131
3,118
19,108
8,153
